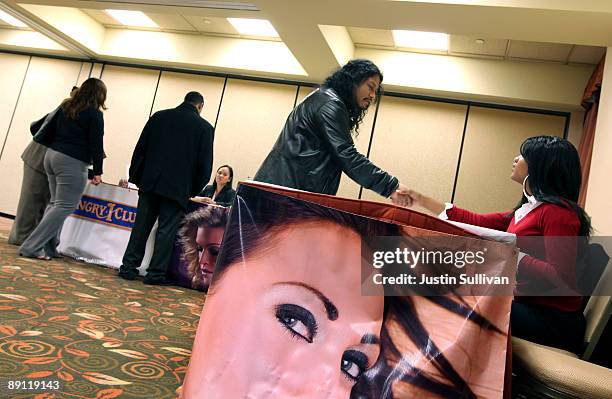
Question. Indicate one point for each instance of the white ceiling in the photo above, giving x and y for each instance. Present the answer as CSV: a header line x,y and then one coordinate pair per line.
x,y
459,45
552,31
491,48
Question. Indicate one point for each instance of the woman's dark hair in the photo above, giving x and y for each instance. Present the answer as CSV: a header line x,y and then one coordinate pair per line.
x,y
231,177
344,82
555,175
92,93
207,216
249,229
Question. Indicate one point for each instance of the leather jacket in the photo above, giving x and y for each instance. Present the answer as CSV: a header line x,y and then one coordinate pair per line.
x,y
315,147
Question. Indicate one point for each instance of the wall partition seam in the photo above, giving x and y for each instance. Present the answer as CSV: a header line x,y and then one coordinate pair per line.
x,y
220,102
91,69
76,83
155,93
297,93
8,129
465,123
102,70
568,119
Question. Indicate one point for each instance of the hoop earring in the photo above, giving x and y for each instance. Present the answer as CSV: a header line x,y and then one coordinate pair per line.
x,y
530,198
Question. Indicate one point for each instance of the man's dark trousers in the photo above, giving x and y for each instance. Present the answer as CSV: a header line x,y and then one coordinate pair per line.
x,y
150,208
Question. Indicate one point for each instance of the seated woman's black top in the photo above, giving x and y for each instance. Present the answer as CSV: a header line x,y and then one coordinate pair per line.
x,y
225,197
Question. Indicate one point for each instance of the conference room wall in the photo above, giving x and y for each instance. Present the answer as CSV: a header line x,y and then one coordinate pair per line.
x,y
14,69
258,108
131,92
418,142
84,72
348,188
575,128
251,116
96,70
492,140
173,86
47,82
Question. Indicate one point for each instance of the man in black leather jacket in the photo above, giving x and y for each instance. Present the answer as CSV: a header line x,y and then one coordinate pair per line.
x,y
316,146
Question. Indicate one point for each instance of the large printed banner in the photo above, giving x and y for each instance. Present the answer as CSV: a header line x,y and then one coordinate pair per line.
x,y
287,315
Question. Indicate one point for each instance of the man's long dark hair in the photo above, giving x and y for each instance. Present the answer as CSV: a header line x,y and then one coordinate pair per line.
x,y
344,82
555,175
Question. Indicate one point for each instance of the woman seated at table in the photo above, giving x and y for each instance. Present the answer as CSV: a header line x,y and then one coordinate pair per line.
x,y
549,169
221,191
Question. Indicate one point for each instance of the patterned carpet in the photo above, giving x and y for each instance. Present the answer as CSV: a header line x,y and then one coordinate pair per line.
x,y
80,328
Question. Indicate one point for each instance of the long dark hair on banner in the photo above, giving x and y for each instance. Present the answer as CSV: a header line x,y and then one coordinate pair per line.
x,y
251,230
92,93
344,82
393,367
555,176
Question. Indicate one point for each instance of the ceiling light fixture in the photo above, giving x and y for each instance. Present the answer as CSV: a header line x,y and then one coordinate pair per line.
x,y
132,18
9,19
480,41
253,27
420,40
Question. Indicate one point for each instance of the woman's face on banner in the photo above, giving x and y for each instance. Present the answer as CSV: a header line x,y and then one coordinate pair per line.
x,y
290,321
208,240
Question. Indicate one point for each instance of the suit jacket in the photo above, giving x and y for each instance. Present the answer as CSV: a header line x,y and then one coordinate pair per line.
x,y
34,156
173,157
225,197
34,153
316,146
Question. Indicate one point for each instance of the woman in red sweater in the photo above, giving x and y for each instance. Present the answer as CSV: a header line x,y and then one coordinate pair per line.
x,y
548,167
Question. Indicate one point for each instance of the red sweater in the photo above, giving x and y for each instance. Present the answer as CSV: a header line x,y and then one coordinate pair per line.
x,y
551,260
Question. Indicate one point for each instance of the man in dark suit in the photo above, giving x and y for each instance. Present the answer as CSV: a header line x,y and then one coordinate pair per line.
x,y
172,162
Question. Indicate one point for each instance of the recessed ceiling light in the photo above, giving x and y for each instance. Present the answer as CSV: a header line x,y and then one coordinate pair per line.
x,y
420,40
207,21
9,19
480,41
254,27
132,18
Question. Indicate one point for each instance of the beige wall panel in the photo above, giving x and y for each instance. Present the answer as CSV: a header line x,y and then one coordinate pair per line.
x,y
348,188
304,91
96,71
251,118
418,142
14,69
129,99
173,87
575,128
84,72
47,83
493,138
